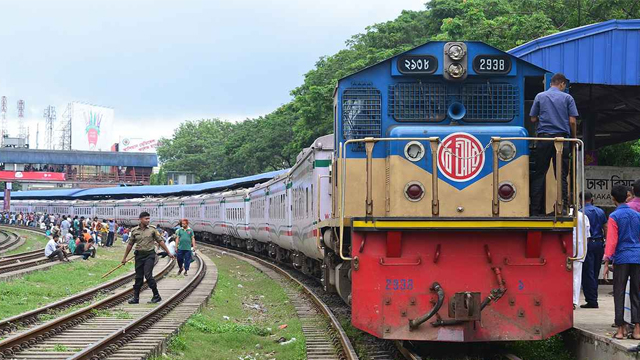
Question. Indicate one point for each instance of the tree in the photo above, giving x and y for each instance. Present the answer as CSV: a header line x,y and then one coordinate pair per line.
x,y
214,149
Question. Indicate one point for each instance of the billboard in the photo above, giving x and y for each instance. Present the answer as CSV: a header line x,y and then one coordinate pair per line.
x,y
128,144
91,127
31,175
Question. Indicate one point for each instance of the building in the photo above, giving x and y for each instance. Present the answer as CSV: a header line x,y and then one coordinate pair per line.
x,y
46,169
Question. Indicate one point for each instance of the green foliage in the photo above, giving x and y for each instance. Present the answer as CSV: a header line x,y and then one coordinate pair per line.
x,y
215,149
552,348
623,154
158,179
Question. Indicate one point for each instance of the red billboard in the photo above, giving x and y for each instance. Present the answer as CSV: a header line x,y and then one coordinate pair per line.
x,y
31,175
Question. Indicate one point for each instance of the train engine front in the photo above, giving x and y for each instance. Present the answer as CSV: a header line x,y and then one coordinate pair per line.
x,y
431,197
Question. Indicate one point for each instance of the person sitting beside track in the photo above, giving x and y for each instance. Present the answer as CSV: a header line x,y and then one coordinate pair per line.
x,y
85,249
171,245
53,249
623,247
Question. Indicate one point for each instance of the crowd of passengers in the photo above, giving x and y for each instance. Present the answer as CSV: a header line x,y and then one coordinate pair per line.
x,y
78,235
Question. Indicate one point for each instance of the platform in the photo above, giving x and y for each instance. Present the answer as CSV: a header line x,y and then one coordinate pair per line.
x,y
594,333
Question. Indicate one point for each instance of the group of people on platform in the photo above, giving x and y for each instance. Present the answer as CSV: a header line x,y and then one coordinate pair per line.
x,y
616,241
82,236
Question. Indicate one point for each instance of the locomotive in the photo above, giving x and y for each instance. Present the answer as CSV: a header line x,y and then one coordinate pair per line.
x,y
416,210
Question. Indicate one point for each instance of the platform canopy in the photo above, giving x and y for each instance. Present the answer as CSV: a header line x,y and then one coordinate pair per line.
x,y
602,62
85,158
125,192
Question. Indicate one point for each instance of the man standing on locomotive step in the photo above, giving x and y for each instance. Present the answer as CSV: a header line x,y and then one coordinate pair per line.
x,y
555,113
595,251
144,237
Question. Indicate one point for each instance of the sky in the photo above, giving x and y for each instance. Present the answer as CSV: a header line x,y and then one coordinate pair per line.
x,y
158,63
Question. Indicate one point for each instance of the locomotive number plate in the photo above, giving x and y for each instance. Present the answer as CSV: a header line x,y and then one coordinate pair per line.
x,y
417,64
492,64
399,284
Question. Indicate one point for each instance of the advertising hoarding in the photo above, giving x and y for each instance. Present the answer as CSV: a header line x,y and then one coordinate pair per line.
x,y
31,175
128,144
91,127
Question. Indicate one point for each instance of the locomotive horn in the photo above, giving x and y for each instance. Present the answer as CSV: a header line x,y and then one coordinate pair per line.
x,y
456,111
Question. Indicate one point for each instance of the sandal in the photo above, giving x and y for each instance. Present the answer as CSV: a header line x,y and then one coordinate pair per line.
x,y
618,338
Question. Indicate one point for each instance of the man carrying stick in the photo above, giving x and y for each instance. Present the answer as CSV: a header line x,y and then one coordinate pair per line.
x,y
143,237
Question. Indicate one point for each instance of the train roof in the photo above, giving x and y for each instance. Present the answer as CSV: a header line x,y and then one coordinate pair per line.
x,y
419,49
128,192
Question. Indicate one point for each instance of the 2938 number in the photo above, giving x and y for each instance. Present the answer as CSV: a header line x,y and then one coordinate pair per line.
x,y
399,284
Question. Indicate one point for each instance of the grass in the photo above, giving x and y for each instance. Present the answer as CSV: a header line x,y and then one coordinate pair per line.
x,y
33,241
241,322
62,280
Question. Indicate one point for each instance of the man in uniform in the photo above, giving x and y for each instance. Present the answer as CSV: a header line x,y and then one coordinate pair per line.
x,y
595,251
144,237
554,112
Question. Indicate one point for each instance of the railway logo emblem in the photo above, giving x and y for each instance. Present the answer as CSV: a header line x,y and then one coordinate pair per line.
x,y
460,157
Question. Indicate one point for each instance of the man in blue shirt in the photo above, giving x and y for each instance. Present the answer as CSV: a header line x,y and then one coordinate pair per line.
x,y
595,251
555,113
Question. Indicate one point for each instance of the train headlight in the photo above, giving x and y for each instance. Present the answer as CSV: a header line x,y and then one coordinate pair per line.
x,y
455,70
456,52
414,191
506,151
414,151
506,191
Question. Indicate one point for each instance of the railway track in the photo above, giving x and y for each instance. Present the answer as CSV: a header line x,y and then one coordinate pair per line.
x,y
108,328
9,241
325,340
33,317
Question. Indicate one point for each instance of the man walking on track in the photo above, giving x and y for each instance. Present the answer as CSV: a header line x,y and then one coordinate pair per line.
x,y
144,238
555,113
186,243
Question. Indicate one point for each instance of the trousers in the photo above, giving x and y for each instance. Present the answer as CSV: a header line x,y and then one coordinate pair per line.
x,y
545,151
577,279
57,253
591,271
184,259
110,237
144,263
622,272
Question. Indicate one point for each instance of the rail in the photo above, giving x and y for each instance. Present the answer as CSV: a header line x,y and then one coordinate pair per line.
x,y
494,143
347,348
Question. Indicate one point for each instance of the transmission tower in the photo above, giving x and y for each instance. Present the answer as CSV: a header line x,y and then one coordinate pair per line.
x,y
37,136
64,141
22,132
49,119
3,112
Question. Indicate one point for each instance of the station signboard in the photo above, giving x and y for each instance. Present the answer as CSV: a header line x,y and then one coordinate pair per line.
x,y
31,176
128,144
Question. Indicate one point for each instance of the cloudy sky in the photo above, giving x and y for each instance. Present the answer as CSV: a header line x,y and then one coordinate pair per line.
x,y
157,63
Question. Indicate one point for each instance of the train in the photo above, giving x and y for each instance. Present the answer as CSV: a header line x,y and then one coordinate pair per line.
x,y
415,211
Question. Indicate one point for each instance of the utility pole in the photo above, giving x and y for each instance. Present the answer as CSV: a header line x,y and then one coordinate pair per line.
x,y
3,113
49,119
21,130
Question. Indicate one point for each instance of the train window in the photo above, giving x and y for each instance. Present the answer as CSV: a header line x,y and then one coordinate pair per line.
x,y
417,102
361,114
490,102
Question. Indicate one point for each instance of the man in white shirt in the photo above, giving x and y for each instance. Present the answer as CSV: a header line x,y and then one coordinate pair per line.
x,y
53,249
64,226
579,241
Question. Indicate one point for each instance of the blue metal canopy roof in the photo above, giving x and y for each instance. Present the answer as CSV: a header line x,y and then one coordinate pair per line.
x,y
150,190
91,158
604,53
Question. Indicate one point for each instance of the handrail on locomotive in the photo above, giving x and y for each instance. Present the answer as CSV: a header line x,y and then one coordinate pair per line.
x,y
578,178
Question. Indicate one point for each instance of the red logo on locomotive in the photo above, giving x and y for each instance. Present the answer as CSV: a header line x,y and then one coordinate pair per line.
x,y
460,157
